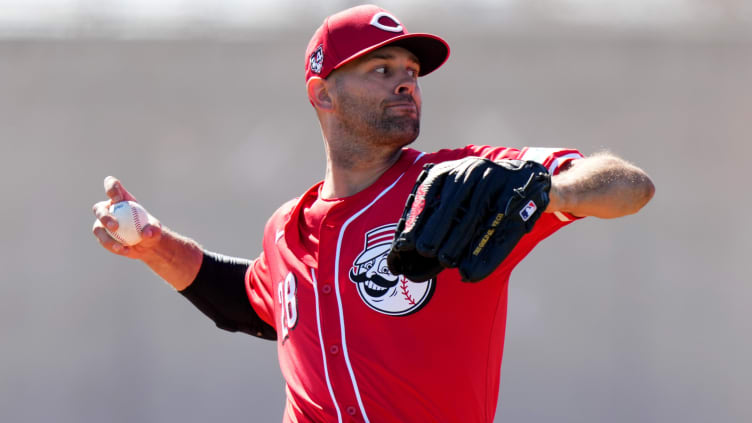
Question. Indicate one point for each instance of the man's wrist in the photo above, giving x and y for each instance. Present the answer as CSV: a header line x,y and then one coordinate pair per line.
x,y
555,196
175,258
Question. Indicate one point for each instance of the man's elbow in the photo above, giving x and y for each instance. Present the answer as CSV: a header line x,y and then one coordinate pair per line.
x,y
648,190
634,191
643,191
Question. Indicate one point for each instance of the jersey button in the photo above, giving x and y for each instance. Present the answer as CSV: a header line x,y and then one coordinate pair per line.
x,y
326,288
334,350
351,410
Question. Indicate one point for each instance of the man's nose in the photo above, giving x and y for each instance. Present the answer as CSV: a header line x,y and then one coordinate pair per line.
x,y
406,86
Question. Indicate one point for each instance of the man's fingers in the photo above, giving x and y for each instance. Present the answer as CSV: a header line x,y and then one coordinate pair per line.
x,y
109,243
150,234
114,189
117,193
102,212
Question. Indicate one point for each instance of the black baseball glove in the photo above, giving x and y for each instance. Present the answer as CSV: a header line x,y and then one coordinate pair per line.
x,y
468,213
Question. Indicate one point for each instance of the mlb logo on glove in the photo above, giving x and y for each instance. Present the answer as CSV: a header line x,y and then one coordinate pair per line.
x,y
528,211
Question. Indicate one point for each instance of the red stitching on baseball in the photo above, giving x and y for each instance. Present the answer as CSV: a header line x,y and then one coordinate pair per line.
x,y
117,237
136,220
406,294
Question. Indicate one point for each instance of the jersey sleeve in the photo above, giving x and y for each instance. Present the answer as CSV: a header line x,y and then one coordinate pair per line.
x,y
259,290
260,283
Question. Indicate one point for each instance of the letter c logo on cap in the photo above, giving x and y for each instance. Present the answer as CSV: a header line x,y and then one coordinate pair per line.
x,y
375,22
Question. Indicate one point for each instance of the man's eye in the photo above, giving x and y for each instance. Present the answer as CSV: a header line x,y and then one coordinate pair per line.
x,y
368,265
381,69
413,73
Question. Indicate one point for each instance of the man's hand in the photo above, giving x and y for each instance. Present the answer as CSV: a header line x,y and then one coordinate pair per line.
x,y
175,258
151,233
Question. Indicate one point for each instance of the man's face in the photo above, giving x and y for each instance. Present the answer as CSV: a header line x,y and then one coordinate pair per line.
x,y
377,97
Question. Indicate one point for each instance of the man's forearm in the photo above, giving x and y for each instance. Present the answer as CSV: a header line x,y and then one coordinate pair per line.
x,y
602,186
175,258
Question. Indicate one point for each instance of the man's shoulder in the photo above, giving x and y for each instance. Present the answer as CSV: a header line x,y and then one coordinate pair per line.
x,y
285,209
551,157
486,151
284,213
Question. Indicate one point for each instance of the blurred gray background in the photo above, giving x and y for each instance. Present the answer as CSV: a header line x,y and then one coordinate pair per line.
x,y
199,107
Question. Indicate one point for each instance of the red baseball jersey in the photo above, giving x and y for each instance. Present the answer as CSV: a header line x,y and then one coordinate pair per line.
x,y
357,343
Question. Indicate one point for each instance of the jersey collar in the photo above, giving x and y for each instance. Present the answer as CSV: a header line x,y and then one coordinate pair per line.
x,y
341,208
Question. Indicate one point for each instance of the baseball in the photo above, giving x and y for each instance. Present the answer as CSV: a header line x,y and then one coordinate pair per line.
x,y
131,218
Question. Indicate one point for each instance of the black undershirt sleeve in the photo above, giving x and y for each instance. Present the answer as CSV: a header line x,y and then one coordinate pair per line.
x,y
219,292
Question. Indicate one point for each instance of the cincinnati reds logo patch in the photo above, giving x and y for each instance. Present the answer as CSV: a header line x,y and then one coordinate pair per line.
x,y
317,59
386,22
384,292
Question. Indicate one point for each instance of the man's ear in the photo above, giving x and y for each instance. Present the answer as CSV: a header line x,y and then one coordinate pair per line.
x,y
318,93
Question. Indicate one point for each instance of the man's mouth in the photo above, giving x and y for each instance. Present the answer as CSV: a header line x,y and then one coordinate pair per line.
x,y
407,108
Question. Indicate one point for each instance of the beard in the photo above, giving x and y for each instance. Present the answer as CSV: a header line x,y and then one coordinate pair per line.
x,y
376,124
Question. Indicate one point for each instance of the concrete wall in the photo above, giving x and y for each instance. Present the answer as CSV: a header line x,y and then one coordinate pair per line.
x,y
645,318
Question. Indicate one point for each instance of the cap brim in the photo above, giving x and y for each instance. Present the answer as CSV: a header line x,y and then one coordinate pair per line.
x,y
431,51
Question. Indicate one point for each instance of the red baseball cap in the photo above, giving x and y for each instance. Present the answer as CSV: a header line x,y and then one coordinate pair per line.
x,y
357,31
